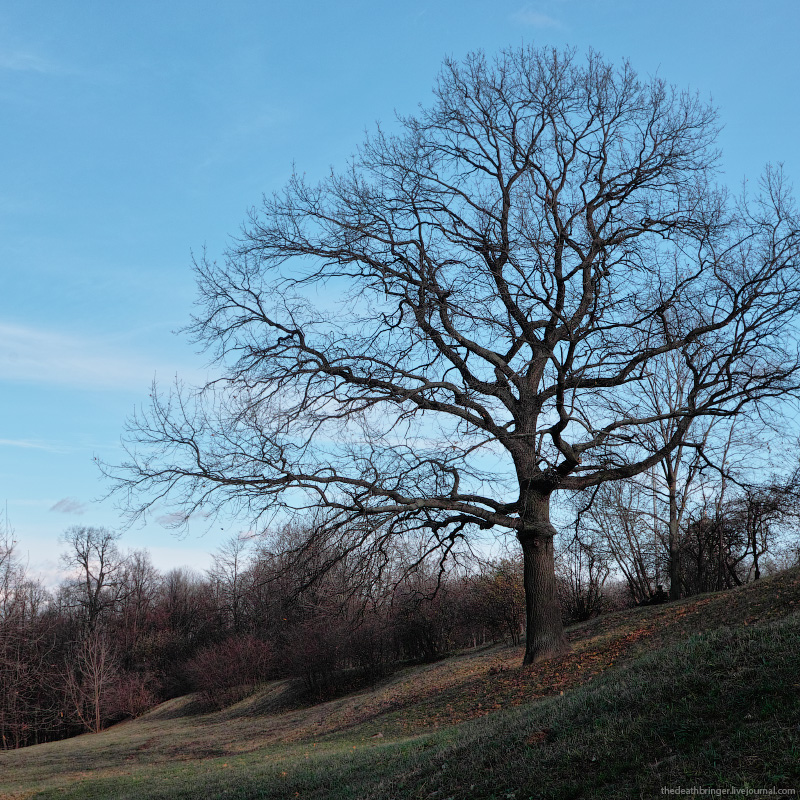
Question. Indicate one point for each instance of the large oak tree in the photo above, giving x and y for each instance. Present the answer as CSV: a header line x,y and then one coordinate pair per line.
x,y
461,322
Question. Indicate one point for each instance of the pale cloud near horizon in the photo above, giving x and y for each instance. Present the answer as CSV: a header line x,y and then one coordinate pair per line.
x,y
197,558
535,19
35,355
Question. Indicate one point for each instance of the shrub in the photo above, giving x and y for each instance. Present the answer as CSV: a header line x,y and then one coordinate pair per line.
x,y
312,650
131,695
226,672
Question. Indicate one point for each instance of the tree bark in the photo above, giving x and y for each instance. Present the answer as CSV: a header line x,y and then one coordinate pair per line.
x,y
544,630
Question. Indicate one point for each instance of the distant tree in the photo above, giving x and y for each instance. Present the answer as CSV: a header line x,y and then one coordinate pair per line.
x,y
98,568
228,671
679,473
434,341
713,552
582,568
760,511
185,606
139,584
228,576
24,652
620,514
723,545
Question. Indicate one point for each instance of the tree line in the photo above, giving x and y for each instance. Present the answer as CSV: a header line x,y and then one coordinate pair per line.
x,y
118,636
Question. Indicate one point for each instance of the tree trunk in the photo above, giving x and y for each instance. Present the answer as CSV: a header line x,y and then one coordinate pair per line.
x,y
544,630
674,542
674,551
754,515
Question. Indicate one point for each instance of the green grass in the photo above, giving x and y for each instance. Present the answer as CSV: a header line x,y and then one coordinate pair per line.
x,y
716,709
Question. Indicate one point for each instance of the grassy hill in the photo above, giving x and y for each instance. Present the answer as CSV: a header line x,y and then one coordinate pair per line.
x,y
700,693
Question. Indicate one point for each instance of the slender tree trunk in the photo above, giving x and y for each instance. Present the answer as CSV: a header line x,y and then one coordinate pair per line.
x,y
674,542
754,515
544,631
674,550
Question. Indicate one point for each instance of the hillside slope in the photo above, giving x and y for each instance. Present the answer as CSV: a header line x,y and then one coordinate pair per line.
x,y
721,704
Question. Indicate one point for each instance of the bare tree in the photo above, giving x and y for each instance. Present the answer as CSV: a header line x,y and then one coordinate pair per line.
x,y
621,516
690,536
90,677
582,569
675,478
758,513
99,566
497,594
228,579
435,340
717,453
28,711
139,583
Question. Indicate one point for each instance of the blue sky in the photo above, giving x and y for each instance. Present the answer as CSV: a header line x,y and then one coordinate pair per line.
x,y
132,134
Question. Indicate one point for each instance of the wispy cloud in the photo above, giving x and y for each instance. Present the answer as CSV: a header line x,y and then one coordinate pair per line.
x,y
26,59
535,19
69,505
16,60
34,355
31,444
